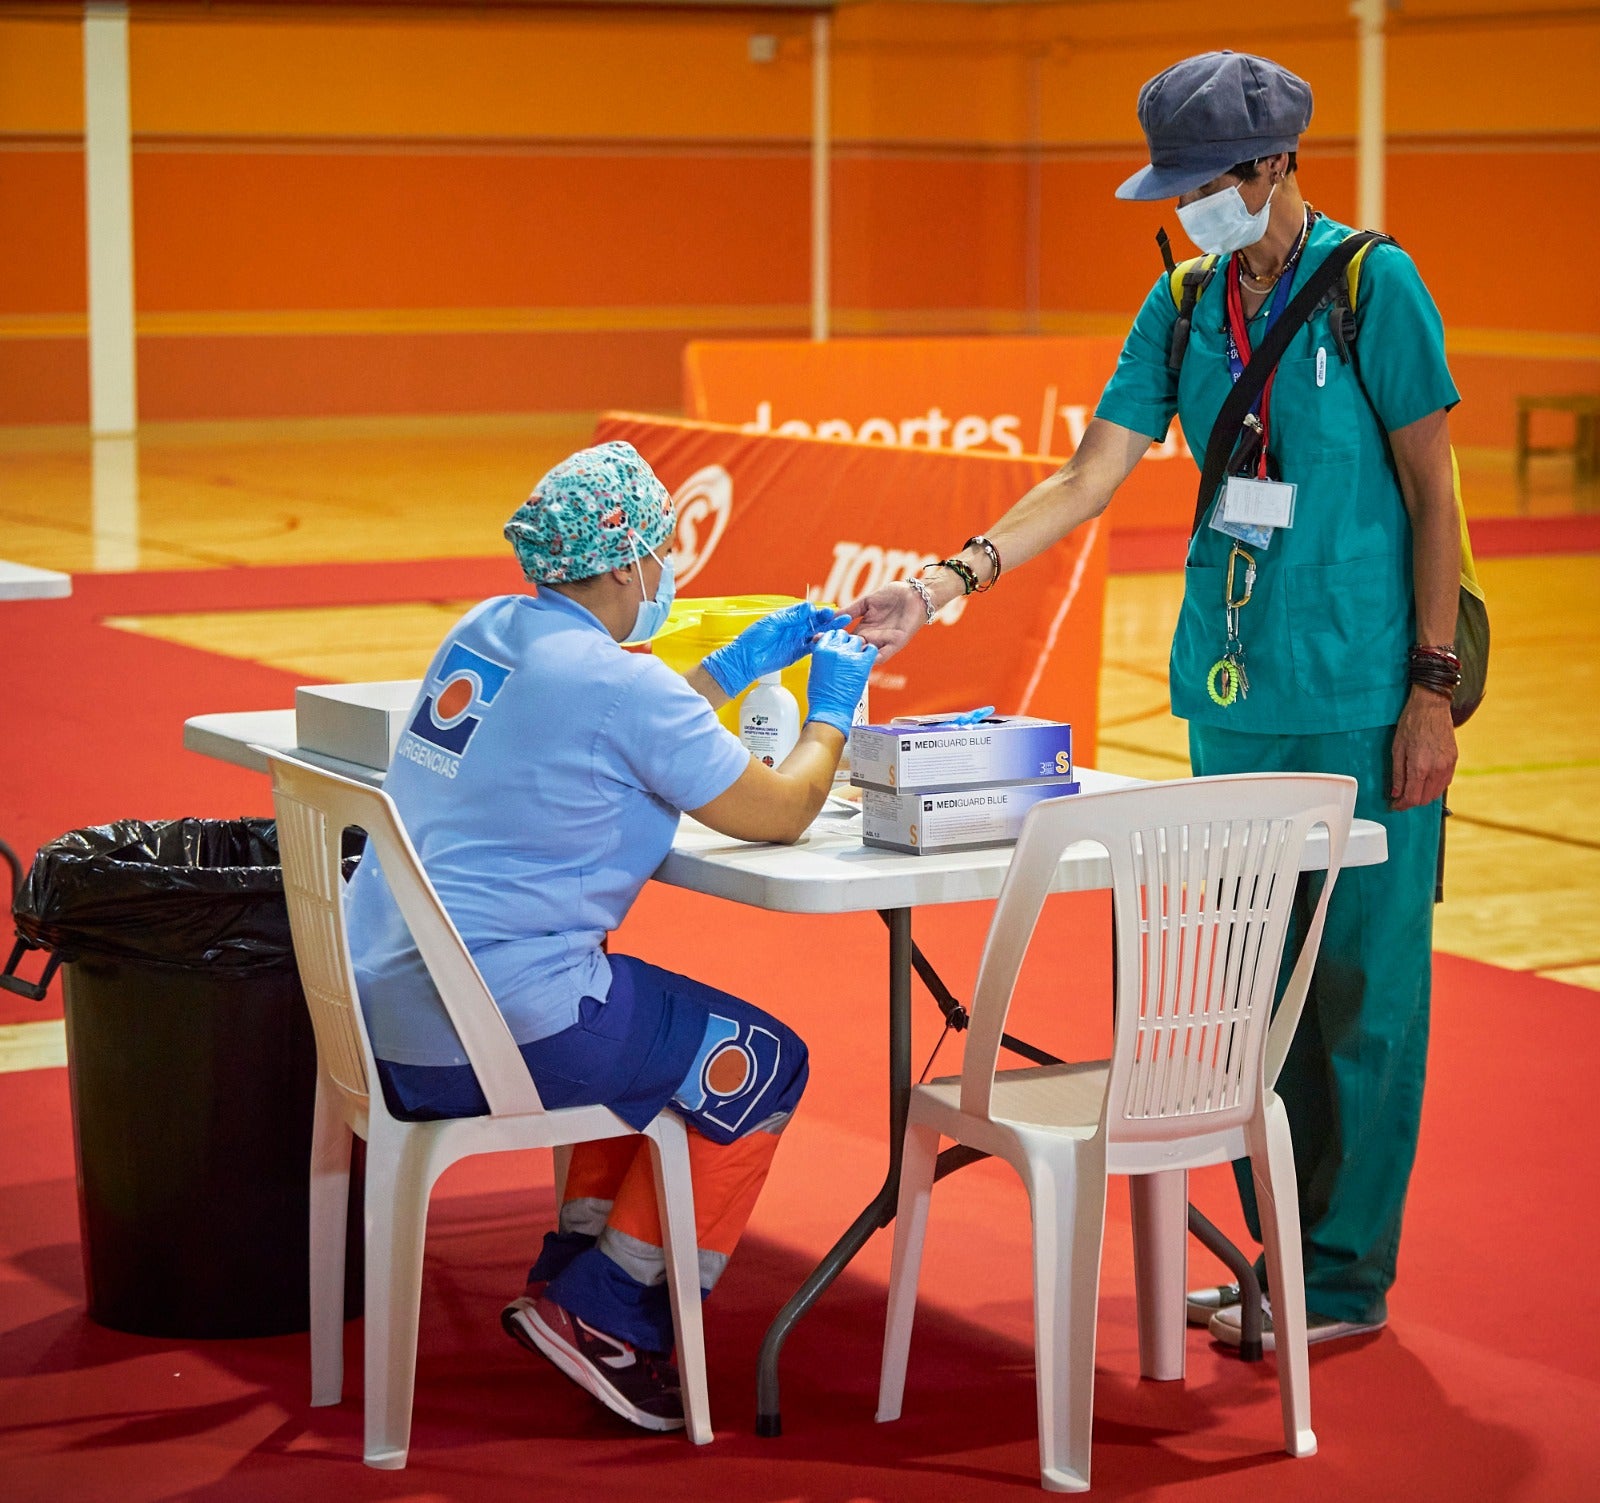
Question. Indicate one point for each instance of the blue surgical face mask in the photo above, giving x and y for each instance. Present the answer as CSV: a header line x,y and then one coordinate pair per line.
x,y
652,614
1220,222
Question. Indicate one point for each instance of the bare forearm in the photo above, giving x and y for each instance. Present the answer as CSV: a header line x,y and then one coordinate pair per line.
x,y
1436,571
1424,755
1078,492
706,687
811,766
1422,459
778,803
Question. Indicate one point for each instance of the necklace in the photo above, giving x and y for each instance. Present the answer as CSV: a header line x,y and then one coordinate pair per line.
x,y
1269,280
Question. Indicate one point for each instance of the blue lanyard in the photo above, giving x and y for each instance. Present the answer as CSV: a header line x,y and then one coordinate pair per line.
x,y
1280,301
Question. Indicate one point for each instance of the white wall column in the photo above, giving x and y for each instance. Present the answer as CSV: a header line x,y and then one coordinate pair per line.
x,y
821,178
114,503
1371,147
108,162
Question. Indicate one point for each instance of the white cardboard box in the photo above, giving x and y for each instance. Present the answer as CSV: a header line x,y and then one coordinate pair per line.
x,y
950,819
358,723
920,753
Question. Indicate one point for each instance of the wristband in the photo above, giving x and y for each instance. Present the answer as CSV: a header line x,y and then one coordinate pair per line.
x,y
963,572
993,555
922,594
1435,668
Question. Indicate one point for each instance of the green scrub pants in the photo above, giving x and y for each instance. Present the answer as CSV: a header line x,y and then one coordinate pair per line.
x,y
1352,1084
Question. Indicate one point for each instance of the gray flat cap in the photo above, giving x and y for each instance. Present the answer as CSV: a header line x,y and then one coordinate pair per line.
x,y
1211,112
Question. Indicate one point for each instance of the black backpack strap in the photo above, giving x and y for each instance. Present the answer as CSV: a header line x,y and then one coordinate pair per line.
x,y
1342,323
1164,245
1225,432
1196,277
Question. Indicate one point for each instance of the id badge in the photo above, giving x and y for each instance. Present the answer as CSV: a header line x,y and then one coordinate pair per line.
x,y
1251,510
1257,503
1242,532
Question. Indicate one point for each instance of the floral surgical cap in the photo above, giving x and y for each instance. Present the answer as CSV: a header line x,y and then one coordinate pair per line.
x,y
601,509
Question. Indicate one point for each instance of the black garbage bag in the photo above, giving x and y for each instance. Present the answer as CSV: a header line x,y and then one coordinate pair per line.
x,y
180,891
192,1067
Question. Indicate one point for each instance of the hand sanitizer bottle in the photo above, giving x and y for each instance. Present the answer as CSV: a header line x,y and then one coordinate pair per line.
x,y
769,720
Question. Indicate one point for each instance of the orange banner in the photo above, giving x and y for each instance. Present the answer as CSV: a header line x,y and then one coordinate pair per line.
x,y
985,396
769,513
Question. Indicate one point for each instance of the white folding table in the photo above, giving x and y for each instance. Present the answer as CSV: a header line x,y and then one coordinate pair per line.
x,y
24,582
828,870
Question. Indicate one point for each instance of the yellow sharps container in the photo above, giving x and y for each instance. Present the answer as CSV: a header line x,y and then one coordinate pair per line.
x,y
696,627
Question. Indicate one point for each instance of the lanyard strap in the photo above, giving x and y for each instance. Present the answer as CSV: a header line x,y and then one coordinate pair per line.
x,y
1238,338
1225,430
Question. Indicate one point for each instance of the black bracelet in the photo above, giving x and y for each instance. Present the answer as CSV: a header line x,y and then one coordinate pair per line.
x,y
979,541
963,572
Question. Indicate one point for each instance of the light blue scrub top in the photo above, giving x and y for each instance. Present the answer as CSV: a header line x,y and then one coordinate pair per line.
x,y
1331,619
541,781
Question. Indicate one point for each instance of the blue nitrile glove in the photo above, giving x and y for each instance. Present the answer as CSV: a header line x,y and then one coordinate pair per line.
x,y
769,644
968,717
839,667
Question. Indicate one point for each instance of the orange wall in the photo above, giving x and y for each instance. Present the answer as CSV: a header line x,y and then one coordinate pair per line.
x,y
346,213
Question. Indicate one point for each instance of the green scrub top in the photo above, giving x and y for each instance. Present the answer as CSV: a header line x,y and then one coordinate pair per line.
x,y
1330,621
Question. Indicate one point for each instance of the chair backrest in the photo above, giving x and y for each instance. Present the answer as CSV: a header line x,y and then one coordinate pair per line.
x,y
313,810
1204,873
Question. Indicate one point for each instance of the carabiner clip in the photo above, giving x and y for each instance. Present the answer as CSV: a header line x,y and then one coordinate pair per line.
x,y
1234,555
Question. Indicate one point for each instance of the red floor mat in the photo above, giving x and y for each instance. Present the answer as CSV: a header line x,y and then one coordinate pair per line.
x,y
1484,1387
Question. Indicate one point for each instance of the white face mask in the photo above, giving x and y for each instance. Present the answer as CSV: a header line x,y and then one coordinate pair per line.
x,y
1220,222
652,614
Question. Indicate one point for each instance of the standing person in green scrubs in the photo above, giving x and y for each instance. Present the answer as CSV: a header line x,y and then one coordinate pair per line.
x,y
1313,625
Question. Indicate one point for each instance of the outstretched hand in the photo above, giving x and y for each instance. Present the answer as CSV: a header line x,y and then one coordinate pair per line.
x,y
888,618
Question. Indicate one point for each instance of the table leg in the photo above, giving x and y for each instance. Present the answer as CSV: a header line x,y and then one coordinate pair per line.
x,y
880,1210
1244,1274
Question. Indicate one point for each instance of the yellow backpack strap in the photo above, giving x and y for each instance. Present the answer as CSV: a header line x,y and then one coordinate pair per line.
x,y
1352,273
1197,268
1469,570
1342,322
1186,281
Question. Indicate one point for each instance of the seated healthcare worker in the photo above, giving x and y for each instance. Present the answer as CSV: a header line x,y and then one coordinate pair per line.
x,y
541,780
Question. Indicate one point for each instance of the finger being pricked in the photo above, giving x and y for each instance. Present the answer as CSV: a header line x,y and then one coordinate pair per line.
x,y
825,618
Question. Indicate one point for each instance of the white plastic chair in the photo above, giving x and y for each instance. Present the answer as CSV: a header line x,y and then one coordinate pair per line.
x,y
1204,874
404,1159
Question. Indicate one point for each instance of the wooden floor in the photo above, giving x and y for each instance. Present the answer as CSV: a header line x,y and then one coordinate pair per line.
x,y
1524,870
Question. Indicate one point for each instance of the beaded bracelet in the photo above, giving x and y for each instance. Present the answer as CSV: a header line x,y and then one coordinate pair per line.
x,y
963,572
922,594
993,553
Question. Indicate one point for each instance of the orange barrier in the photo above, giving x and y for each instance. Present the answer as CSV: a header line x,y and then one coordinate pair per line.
x,y
777,514
990,395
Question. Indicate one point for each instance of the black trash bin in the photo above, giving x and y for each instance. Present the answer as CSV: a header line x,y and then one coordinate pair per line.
x,y
192,1067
